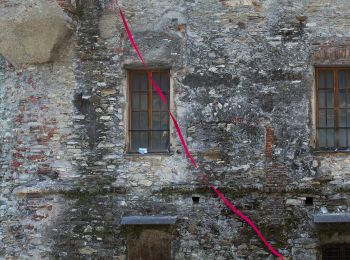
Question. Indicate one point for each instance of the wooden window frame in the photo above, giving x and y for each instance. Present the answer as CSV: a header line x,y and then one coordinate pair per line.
x,y
336,108
150,93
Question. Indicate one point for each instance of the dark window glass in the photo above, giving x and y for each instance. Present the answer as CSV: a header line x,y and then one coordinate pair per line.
x,y
149,117
333,108
336,252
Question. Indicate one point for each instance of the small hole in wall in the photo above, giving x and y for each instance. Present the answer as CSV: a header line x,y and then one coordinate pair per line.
x,y
195,200
309,201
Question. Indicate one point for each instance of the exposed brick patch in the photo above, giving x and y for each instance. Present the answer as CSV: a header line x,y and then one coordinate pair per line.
x,y
276,178
331,52
35,129
16,164
269,141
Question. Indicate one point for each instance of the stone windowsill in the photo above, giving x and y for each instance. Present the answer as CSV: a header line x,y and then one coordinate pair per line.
x,y
129,154
323,151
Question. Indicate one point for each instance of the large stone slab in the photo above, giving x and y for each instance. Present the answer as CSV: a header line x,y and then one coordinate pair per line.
x,y
149,220
332,218
32,31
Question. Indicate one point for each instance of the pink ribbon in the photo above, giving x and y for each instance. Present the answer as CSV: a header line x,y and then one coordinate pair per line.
x,y
188,153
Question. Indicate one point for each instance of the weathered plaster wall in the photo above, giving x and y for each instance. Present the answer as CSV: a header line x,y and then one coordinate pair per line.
x,y
242,78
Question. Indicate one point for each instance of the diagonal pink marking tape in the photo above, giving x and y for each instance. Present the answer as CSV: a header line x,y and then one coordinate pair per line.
x,y
188,153
183,140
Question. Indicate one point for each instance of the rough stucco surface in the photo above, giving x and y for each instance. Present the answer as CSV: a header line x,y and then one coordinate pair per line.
x,y
32,31
242,81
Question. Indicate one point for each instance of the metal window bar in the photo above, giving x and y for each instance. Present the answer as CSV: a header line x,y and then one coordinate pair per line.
x,y
156,139
333,132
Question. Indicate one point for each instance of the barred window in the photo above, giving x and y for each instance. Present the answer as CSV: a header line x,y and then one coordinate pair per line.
x,y
333,108
149,117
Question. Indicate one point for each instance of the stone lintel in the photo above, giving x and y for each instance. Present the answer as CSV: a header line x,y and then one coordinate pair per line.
x,y
332,218
150,65
149,220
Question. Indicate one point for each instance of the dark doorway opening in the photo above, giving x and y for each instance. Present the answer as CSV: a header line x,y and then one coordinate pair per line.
x,y
336,251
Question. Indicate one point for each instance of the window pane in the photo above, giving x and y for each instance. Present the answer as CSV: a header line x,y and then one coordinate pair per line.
x,y
348,116
164,141
330,79
348,130
164,107
143,139
330,137
342,79
348,99
135,101
160,140
342,118
135,123
143,82
321,98
135,140
330,118
156,135
164,82
330,98
342,98
320,79
136,82
144,102
322,138
143,120
141,134
322,118
164,121
342,138
156,78
348,80
156,102
156,120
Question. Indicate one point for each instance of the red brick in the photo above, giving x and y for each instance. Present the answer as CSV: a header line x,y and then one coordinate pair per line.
x,y
22,149
16,164
33,99
18,155
36,157
269,141
44,108
30,79
20,118
22,108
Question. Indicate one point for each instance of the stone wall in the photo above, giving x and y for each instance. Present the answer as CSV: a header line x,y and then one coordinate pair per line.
x,y
242,81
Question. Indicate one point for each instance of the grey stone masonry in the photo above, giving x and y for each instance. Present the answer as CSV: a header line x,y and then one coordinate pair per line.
x,y
242,86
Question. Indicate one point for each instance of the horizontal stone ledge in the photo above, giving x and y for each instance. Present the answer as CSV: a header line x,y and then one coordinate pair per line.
x,y
68,189
150,65
332,218
186,190
149,220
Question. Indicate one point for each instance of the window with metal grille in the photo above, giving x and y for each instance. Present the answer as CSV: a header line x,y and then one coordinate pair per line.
x,y
149,117
336,252
333,108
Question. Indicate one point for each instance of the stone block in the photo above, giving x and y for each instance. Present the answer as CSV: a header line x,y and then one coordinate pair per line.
x,y
32,31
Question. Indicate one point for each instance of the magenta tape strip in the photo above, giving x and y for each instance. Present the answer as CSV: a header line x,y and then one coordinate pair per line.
x,y
188,153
